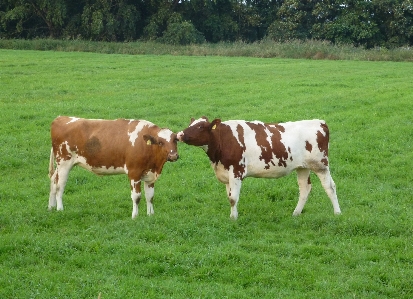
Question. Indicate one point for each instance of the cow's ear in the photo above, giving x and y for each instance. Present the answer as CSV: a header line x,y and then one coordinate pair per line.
x,y
192,120
215,123
149,139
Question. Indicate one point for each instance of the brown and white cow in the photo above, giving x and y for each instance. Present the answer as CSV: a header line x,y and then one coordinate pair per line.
x,y
137,148
238,149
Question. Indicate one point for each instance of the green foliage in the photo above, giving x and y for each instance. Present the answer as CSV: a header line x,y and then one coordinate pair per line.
x,y
190,248
183,33
12,18
377,23
108,21
168,27
294,21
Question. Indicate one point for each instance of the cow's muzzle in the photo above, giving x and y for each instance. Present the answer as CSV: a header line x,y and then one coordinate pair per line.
x,y
173,156
180,136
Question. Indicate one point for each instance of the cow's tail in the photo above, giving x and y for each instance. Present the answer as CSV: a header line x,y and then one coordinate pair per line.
x,y
51,163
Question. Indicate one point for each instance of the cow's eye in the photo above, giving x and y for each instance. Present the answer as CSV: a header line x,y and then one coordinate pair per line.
x,y
160,143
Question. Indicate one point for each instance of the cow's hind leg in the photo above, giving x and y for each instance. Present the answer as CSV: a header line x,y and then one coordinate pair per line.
x,y
149,192
60,179
136,196
330,188
304,184
53,190
233,191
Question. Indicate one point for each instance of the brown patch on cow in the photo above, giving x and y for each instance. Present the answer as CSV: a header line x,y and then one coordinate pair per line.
x,y
232,202
309,180
56,178
61,151
308,146
322,142
278,126
93,146
262,142
267,151
223,147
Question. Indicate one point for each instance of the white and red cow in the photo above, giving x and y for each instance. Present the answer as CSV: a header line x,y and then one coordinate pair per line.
x,y
137,148
238,149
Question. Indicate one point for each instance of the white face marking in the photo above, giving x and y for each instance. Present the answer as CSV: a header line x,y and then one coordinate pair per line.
x,y
134,134
198,121
165,134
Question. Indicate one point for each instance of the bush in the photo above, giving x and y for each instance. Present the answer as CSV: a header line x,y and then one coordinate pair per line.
x,y
182,33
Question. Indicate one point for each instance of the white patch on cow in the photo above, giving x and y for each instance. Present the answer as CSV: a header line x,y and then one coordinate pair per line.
x,y
150,177
73,119
197,122
149,192
165,134
136,196
134,134
67,148
220,172
269,136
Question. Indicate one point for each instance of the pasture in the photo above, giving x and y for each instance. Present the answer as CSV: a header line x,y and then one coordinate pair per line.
x,y
190,248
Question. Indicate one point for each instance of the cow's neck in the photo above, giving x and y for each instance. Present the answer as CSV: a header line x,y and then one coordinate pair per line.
x,y
213,150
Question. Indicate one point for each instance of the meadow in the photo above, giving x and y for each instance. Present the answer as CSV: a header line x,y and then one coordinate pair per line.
x,y
190,248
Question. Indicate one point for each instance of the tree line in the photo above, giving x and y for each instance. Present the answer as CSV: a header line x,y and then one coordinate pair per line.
x,y
367,23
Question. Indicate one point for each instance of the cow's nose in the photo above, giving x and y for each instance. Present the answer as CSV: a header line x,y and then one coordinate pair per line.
x,y
180,135
173,156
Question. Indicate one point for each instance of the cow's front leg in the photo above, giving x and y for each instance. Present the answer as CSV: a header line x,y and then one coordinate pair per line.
x,y
233,190
149,192
136,196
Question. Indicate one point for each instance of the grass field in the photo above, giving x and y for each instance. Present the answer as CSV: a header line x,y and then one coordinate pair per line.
x,y
190,248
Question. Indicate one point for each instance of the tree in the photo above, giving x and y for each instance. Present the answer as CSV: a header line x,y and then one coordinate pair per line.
x,y
52,12
295,20
109,20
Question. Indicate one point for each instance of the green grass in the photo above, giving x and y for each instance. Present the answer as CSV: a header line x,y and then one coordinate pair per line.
x,y
190,248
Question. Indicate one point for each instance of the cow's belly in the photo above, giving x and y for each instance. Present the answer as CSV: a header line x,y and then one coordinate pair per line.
x,y
253,170
103,170
99,170
272,172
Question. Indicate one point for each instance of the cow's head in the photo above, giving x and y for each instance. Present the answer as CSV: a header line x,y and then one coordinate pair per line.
x,y
166,142
198,132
